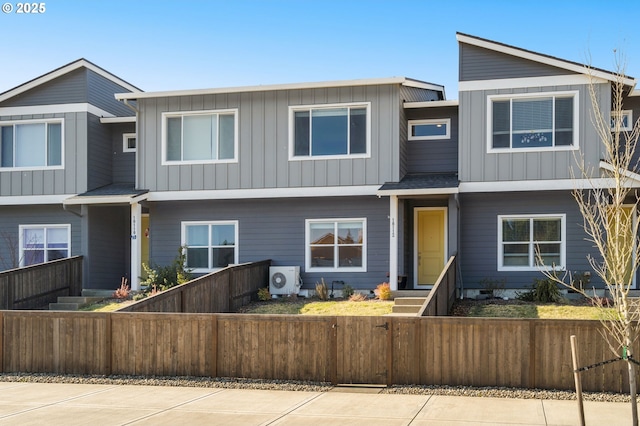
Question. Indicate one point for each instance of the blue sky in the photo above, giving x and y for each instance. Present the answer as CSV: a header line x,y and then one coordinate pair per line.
x,y
190,44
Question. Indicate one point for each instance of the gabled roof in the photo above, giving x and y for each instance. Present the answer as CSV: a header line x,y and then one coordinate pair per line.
x,y
574,67
269,87
65,69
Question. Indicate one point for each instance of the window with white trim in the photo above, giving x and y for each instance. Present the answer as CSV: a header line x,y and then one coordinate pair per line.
x,y
535,122
625,122
129,142
44,243
522,237
31,144
338,130
420,130
336,245
200,137
210,245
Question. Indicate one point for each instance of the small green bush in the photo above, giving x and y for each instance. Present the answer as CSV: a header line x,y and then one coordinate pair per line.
x,y
542,291
263,294
347,291
165,277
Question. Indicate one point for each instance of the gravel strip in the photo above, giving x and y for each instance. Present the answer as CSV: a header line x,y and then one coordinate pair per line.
x,y
292,385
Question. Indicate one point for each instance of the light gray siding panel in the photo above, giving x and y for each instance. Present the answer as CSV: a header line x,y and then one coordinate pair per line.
x,y
477,63
275,229
69,88
100,94
432,156
479,233
477,164
263,153
11,217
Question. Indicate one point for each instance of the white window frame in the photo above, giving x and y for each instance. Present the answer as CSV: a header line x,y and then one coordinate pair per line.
x,y
21,242
125,142
537,95
625,113
442,121
173,114
42,121
532,253
296,108
210,223
343,269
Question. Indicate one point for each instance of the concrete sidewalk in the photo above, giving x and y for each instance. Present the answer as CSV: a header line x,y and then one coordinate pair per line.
x,y
91,404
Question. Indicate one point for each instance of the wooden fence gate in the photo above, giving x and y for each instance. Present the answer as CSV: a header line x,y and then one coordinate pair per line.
x,y
364,364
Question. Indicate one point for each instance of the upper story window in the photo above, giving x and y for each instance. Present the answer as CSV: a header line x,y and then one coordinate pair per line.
x,y
522,238
210,245
534,122
336,245
31,144
329,131
200,137
626,120
129,142
44,243
420,130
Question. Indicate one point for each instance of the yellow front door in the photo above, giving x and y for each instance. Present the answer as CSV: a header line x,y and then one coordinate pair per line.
x,y
430,234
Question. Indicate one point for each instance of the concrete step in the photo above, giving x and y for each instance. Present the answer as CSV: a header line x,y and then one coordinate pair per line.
x,y
409,300
64,306
401,314
104,293
81,300
410,293
406,309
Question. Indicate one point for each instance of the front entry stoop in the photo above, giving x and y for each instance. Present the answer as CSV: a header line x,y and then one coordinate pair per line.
x,y
73,303
407,306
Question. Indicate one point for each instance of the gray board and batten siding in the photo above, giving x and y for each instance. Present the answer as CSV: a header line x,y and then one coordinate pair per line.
x,y
438,155
263,157
275,229
108,254
479,233
124,163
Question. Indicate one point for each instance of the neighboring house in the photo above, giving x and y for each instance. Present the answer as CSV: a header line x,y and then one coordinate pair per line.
x,y
356,181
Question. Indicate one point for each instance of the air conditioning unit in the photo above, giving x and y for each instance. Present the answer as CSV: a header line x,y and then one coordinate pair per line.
x,y
284,279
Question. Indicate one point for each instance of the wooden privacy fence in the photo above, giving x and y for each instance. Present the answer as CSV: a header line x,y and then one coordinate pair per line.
x,y
443,293
35,286
225,290
382,350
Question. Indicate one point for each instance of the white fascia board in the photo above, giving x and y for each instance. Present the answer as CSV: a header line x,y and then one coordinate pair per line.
x,y
62,71
626,173
273,87
239,194
543,59
55,109
19,200
107,199
417,192
431,104
542,185
635,93
110,120
517,83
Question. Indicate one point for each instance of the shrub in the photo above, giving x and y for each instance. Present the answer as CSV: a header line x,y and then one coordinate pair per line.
x,y
165,277
263,294
123,291
321,290
347,291
384,291
357,297
543,291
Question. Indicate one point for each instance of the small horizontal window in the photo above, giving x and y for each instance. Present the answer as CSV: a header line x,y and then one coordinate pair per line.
x,y
429,129
625,120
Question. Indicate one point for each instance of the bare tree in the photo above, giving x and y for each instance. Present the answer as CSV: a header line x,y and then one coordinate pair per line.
x,y
608,203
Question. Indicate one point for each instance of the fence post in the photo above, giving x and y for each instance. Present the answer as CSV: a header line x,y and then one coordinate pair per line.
x,y
576,376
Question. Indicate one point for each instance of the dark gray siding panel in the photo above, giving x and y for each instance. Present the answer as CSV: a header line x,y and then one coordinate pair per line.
x,y
70,180
69,88
109,246
99,152
263,153
477,63
479,233
11,217
275,229
101,94
124,163
433,155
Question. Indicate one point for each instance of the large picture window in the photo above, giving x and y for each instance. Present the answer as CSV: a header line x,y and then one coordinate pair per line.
x,y
336,245
540,122
329,131
31,144
522,238
44,243
210,245
202,137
